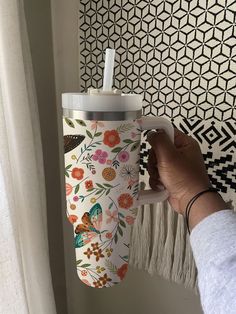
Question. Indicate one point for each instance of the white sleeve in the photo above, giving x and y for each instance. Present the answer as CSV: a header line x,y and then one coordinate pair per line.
x,y
213,243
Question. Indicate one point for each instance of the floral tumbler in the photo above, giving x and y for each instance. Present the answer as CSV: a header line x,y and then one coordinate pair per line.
x,y
102,134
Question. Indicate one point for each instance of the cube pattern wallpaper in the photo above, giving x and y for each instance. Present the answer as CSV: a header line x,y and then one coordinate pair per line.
x,y
181,56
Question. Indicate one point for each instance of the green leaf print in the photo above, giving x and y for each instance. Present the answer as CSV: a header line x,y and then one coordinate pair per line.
x,y
98,134
77,188
112,268
79,261
69,122
85,265
80,122
134,147
122,223
68,167
107,185
128,141
116,150
89,134
125,127
120,230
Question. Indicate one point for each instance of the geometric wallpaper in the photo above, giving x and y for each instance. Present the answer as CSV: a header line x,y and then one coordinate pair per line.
x,y
181,56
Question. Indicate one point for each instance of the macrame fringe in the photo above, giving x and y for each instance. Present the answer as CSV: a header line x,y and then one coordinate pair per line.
x,y
159,245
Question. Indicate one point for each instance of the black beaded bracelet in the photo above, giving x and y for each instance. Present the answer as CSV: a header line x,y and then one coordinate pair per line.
x,y
190,204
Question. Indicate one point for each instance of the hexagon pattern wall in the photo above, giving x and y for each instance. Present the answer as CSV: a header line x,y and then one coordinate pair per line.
x,y
181,55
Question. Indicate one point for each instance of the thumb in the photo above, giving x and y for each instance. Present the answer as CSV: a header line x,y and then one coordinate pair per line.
x,y
163,147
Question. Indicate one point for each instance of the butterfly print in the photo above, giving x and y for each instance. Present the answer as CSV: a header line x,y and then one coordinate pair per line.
x,y
72,141
90,227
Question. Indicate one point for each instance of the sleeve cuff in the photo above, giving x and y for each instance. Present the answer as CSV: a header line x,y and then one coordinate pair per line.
x,y
214,238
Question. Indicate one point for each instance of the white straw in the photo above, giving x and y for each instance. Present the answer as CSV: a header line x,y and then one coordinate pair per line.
x,y
108,69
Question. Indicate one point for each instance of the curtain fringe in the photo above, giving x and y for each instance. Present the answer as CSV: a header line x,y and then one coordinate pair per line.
x,y
160,245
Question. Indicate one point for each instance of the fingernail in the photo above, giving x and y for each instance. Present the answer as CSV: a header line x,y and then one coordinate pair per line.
x,y
160,187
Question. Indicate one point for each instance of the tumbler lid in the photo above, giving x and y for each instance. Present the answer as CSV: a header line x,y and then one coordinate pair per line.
x,y
97,100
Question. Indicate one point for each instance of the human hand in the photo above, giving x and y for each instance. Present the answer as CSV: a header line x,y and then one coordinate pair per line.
x,y
179,167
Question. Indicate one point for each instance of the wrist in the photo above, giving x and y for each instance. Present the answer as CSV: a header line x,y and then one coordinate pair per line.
x,y
204,206
190,194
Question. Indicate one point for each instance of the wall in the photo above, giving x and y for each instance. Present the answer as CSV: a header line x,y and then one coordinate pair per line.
x,y
181,56
38,16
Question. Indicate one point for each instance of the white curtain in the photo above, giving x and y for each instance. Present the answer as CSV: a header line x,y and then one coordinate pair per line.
x,y
25,279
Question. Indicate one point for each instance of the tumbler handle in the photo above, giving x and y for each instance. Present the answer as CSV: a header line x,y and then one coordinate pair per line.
x,y
149,123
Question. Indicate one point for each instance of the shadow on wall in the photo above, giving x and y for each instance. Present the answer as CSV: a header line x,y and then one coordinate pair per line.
x,y
38,16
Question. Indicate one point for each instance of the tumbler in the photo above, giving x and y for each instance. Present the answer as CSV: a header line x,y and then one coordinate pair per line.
x,y
102,134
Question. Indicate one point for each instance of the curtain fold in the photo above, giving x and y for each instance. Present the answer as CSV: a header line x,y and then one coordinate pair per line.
x,y
26,285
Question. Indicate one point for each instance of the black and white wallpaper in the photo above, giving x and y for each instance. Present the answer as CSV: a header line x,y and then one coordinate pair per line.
x,y
181,55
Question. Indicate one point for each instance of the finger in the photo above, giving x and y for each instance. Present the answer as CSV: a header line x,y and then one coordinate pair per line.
x,y
152,165
162,145
181,139
155,185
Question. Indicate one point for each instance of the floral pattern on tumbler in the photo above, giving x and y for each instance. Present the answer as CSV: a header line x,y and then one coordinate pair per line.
x,y
102,186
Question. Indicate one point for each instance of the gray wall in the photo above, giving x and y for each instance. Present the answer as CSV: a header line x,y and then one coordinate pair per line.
x,y
139,293
38,18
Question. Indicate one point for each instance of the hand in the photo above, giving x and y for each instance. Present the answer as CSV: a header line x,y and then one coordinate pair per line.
x,y
180,168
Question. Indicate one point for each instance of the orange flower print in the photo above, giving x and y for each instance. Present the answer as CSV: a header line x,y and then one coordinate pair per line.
x,y
98,254
69,189
89,252
111,138
95,246
109,174
109,162
72,206
108,235
125,200
77,173
72,219
104,279
121,272
88,184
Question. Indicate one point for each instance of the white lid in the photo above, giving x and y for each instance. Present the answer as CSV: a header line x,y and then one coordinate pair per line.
x,y
100,101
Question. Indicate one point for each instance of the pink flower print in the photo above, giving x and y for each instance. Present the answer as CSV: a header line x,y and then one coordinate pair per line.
x,y
133,134
123,156
100,156
96,124
86,282
112,216
130,220
75,198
